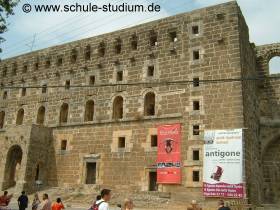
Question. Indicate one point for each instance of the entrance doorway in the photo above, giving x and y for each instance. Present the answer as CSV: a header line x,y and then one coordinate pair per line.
x,y
90,173
13,165
153,181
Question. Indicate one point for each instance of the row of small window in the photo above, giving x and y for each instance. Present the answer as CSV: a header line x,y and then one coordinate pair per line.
x,y
149,110
150,73
153,41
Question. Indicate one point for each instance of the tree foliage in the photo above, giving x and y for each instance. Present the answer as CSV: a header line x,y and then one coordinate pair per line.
x,y
6,9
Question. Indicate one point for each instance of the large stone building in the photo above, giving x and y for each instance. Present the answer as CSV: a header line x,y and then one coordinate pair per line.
x,y
85,113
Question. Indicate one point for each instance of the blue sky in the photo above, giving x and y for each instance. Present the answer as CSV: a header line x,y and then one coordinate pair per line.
x,y
52,29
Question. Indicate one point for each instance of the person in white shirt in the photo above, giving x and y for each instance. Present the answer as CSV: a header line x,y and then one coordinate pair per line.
x,y
105,198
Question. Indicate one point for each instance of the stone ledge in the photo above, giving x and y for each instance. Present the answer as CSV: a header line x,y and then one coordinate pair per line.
x,y
177,115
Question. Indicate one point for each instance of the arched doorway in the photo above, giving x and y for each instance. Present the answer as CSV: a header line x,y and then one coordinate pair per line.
x,y
13,165
271,172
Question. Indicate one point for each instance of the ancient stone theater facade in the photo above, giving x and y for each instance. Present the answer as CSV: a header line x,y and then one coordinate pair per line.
x,y
86,113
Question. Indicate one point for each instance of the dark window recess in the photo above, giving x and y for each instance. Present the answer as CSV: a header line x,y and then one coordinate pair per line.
x,y
134,42
118,46
154,141
20,116
37,175
59,62
120,76
48,64
149,104
151,71
23,91
89,111
74,56
173,36
14,69
195,30
121,142
153,181
67,84
101,49
5,70
196,105
91,173
118,108
5,95
36,66
63,145
196,55
24,70
195,176
195,154
195,130
92,80
88,53
44,89
196,82
153,39
64,113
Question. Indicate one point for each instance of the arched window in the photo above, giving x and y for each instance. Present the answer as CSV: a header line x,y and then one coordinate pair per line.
x,y
89,111
20,116
41,115
63,117
274,65
118,108
149,104
2,118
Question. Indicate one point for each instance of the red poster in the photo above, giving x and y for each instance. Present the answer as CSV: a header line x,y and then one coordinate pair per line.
x,y
169,154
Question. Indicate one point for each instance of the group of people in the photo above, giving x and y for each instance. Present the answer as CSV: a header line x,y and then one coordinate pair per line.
x,y
101,202
37,204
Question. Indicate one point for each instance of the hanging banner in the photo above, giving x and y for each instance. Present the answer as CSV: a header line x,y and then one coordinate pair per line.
x,y
169,154
223,164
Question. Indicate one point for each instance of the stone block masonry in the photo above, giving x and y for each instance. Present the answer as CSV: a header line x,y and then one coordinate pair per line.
x,y
104,134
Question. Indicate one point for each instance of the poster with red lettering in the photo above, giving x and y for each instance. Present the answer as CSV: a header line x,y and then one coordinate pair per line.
x,y
169,154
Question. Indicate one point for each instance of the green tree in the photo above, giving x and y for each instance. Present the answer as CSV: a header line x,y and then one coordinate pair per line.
x,y
6,9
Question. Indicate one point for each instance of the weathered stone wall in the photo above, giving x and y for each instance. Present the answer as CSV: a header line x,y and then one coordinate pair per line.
x,y
224,53
269,99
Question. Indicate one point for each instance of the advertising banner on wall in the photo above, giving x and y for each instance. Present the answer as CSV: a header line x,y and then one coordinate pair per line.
x,y
223,164
169,154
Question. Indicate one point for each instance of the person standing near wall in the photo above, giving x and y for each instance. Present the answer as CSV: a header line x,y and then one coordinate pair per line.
x,y
22,201
36,202
222,206
58,205
105,198
46,204
128,204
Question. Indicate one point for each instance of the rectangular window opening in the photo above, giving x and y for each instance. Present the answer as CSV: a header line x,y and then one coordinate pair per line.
x,y
63,146
195,155
154,141
121,142
195,176
120,76
196,130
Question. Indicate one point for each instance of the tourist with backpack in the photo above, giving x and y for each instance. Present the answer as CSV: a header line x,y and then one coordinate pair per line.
x,y
103,204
